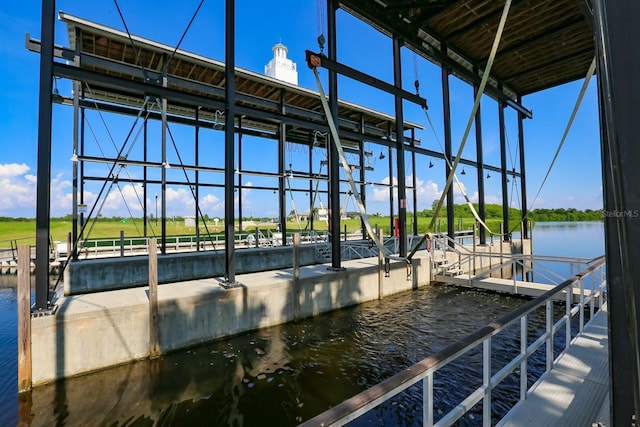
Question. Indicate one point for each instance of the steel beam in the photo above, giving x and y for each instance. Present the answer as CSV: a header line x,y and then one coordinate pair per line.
x,y
43,191
503,174
282,200
480,168
229,141
163,173
145,158
415,186
72,252
334,174
363,187
239,183
523,180
402,185
617,45
332,65
446,113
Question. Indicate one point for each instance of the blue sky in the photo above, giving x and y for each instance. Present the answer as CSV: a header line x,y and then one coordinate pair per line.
x,y
574,182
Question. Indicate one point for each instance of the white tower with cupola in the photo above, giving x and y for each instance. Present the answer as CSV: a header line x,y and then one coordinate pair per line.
x,y
280,67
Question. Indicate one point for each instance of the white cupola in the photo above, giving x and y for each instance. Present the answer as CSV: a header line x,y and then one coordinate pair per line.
x,y
280,67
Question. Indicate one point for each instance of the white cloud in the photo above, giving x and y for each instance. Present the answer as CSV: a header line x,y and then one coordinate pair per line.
x,y
17,191
426,192
212,205
9,170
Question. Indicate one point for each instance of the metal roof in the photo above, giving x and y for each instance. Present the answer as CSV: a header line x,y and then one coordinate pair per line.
x,y
106,50
545,42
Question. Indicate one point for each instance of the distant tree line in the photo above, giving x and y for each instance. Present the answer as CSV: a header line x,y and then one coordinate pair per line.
x,y
494,211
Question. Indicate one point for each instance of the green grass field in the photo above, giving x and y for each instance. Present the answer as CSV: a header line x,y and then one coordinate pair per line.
x,y
24,231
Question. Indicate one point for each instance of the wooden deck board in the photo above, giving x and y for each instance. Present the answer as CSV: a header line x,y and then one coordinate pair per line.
x,y
573,393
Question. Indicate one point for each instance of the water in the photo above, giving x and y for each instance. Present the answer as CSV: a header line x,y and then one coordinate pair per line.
x,y
289,373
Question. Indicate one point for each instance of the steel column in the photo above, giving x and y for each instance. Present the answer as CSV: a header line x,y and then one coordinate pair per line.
x,y
334,173
73,254
617,42
391,201
480,160
503,172
363,185
81,153
229,141
415,184
282,142
446,112
145,151
163,184
402,185
43,191
196,190
311,192
239,174
523,180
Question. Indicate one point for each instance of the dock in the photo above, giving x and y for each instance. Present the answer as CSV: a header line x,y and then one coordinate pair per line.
x,y
576,391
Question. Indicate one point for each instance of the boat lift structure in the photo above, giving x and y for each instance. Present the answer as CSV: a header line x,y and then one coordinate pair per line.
x,y
545,43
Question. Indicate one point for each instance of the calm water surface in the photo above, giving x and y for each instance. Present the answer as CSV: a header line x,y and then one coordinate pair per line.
x,y
286,374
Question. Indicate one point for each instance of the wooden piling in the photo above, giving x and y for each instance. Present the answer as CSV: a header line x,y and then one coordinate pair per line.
x,y
296,275
24,319
154,350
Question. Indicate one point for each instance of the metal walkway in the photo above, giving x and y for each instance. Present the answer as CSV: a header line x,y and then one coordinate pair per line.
x,y
568,395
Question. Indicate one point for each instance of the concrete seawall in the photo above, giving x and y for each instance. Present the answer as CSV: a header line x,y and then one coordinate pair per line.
x,y
103,329
103,274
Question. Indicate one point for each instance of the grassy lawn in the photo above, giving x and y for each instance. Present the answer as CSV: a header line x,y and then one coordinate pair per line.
x,y
24,231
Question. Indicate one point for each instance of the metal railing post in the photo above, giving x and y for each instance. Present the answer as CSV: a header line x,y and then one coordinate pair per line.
x,y
567,326
549,331
523,351
486,381
582,305
427,400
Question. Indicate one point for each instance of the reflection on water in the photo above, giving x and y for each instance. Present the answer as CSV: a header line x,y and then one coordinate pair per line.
x,y
282,375
574,239
285,374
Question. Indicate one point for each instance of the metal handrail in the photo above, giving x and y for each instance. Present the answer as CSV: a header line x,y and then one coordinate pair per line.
x,y
424,370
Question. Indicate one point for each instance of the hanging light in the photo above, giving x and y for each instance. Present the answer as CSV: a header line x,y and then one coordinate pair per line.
x,y
463,172
382,156
488,176
430,164
56,97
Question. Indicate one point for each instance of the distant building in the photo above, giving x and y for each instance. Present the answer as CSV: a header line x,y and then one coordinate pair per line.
x,y
280,67
189,221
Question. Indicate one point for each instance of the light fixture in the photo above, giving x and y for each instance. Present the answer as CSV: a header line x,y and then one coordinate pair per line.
x,y
488,176
382,156
430,164
463,172
274,191
56,93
